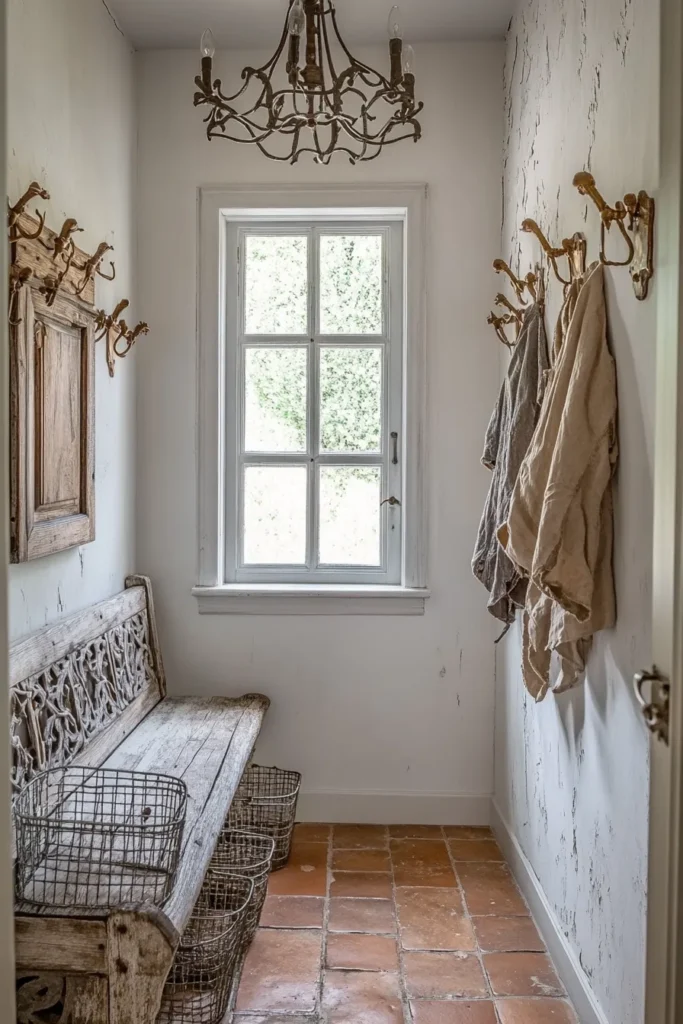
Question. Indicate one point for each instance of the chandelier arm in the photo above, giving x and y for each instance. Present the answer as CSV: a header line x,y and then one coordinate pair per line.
x,y
332,103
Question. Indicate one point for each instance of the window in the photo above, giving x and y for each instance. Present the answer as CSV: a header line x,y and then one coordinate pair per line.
x,y
314,344
315,489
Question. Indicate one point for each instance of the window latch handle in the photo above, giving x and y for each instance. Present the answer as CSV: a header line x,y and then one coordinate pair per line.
x,y
394,443
390,501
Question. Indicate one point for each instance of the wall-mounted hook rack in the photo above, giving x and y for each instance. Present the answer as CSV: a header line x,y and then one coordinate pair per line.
x,y
14,213
573,248
638,233
120,337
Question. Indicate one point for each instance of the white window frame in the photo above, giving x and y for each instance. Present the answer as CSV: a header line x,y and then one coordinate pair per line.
x,y
221,587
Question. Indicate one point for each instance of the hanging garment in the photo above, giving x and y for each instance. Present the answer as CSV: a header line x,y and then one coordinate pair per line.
x,y
559,528
507,440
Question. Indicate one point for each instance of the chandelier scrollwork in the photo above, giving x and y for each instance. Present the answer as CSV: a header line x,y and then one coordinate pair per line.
x,y
315,109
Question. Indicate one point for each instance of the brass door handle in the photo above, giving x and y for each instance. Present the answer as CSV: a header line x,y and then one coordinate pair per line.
x,y
390,501
656,709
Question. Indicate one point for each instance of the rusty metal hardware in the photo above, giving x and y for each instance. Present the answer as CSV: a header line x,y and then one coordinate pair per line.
x,y
394,447
316,108
120,337
64,244
390,501
14,213
635,218
656,709
93,267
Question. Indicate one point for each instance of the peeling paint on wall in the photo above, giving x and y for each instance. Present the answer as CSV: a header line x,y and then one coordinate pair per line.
x,y
572,774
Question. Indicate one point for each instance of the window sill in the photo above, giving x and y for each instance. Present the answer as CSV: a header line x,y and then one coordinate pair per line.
x,y
300,599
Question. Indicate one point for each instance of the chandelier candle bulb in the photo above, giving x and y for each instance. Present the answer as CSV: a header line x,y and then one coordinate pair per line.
x,y
394,23
297,19
208,50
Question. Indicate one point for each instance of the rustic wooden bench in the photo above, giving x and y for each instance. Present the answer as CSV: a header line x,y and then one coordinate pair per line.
x,y
90,690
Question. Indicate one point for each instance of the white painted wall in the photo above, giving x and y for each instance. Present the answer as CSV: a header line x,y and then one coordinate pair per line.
x,y
386,717
71,125
572,773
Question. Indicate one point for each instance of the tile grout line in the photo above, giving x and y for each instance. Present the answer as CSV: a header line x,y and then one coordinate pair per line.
x,y
325,926
402,978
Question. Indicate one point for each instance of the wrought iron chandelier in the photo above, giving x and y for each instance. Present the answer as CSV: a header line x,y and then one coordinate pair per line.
x,y
315,109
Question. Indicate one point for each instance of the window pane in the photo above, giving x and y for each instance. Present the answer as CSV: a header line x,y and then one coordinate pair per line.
x,y
351,284
276,284
275,515
275,399
350,515
350,399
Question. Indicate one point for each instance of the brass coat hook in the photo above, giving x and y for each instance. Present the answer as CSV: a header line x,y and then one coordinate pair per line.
x,y
573,248
501,267
94,266
520,284
120,337
502,300
638,233
499,324
14,213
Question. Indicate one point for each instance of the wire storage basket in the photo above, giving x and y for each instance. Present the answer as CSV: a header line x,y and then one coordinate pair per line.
x,y
96,837
199,984
265,802
249,854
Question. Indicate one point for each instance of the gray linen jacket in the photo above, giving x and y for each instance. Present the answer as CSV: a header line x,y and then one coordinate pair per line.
x,y
508,437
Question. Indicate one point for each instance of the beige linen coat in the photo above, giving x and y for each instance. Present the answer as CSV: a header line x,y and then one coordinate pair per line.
x,y
559,528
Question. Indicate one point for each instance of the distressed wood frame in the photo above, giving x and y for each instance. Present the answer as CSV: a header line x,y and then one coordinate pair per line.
x,y
40,527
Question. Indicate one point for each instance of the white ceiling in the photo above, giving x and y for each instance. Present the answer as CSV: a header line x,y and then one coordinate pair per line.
x,y
164,24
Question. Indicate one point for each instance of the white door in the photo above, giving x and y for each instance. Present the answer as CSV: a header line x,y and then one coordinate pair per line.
x,y
661,690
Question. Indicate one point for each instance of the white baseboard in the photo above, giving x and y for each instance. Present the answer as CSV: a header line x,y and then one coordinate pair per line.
x,y
563,956
394,808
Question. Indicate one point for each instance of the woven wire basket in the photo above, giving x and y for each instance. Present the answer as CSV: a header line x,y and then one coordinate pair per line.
x,y
199,984
249,854
89,838
265,802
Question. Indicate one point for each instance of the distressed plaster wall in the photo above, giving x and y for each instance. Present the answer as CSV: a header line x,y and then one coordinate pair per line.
x,y
572,773
71,126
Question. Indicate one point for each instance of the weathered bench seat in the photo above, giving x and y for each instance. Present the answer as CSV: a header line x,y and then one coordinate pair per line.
x,y
90,690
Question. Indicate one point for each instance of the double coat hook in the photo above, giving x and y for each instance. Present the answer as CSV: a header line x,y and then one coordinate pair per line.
x,y
635,218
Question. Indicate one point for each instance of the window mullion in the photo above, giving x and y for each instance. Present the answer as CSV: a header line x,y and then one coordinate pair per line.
x,y
313,400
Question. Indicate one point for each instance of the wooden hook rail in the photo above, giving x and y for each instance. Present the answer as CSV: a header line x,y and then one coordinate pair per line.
x,y
51,263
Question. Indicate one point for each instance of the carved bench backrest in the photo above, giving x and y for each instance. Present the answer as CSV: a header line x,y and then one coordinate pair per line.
x,y
77,688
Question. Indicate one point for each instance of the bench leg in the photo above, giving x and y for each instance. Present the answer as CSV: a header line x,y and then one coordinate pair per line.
x,y
61,998
140,957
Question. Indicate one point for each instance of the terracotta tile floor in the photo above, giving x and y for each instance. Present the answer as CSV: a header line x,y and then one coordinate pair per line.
x,y
397,925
